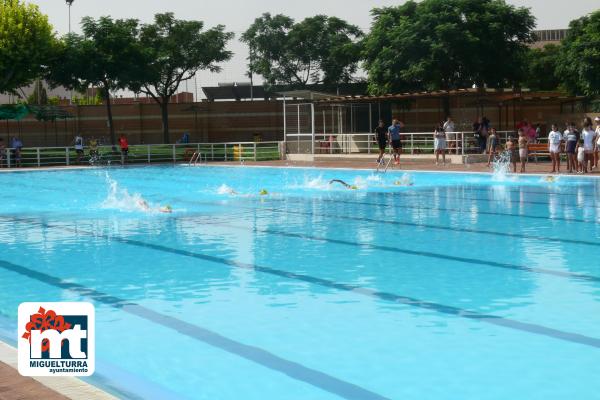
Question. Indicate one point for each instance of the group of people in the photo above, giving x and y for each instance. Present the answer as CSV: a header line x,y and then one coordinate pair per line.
x,y
582,148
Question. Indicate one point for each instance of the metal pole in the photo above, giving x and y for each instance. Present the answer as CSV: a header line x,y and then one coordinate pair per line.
x,y
149,154
312,114
38,157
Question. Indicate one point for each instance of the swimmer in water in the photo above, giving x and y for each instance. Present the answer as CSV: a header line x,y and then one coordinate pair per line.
x,y
166,209
351,187
263,192
550,179
143,204
404,181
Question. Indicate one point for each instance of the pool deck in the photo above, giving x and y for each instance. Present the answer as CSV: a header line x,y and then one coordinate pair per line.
x,y
13,386
543,168
532,168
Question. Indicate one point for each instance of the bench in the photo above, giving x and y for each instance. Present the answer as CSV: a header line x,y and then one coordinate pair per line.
x,y
537,149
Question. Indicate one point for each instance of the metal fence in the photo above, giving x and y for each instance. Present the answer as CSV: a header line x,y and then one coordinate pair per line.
x,y
412,143
143,154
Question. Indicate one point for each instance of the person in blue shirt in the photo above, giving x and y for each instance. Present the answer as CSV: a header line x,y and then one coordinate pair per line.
x,y
394,137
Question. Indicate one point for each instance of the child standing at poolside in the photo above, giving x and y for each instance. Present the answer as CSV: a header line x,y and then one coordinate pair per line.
x,y
581,168
571,147
523,143
588,136
512,152
493,145
554,141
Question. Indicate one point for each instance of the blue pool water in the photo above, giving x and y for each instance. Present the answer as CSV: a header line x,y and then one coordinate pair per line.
x,y
461,286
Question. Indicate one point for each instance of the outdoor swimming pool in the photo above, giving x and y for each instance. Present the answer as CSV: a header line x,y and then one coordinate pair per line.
x,y
459,286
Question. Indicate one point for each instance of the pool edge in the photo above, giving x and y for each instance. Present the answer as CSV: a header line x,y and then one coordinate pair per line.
x,y
69,387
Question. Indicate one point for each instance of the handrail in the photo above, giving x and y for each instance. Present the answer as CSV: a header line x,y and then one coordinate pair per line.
x,y
459,142
143,153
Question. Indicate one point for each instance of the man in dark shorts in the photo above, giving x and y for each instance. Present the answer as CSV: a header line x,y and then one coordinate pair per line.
x,y
394,133
381,136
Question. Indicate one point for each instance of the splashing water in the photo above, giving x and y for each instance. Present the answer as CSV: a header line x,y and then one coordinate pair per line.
x,y
405,180
224,189
120,199
501,166
311,183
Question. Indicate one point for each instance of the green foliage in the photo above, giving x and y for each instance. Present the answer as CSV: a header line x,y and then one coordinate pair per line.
x,y
579,59
447,44
26,42
173,52
541,68
319,49
39,95
105,56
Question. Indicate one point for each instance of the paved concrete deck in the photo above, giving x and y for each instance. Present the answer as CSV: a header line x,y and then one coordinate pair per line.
x,y
532,168
13,386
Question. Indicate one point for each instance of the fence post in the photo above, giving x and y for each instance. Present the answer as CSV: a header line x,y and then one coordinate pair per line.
x,y
174,154
212,152
38,157
68,161
462,146
225,147
254,151
7,158
412,143
149,150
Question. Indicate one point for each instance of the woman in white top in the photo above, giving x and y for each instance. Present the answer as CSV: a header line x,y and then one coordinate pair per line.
x,y
554,139
596,155
588,135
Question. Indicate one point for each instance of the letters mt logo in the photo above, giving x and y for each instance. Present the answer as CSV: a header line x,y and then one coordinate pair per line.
x,y
56,339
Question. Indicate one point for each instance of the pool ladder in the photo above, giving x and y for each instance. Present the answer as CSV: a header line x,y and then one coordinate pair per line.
x,y
382,163
196,157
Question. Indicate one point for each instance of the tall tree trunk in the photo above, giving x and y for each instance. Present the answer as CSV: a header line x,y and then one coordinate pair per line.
x,y
164,108
111,127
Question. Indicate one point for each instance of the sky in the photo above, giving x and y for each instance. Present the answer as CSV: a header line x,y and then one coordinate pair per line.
x,y
238,15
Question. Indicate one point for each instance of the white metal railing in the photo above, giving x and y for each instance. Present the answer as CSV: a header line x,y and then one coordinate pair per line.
x,y
144,153
412,142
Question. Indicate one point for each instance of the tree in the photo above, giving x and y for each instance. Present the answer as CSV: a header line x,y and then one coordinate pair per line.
x,y
446,44
579,58
174,51
39,96
105,56
541,67
26,41
319,49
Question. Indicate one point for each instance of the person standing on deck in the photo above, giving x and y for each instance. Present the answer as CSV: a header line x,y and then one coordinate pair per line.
x,y
492,145
394,136
523,150
554,142
2,152
439,144
17,146
124,144
78,141
596,155
588,135
571,139
381,137
452,137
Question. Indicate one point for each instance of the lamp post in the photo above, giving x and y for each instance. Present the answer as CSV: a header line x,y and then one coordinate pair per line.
x,y
69,2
